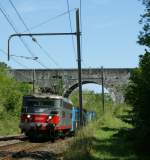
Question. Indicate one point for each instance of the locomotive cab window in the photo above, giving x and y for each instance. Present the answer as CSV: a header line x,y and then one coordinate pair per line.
x,y
31,103
40,105
50,103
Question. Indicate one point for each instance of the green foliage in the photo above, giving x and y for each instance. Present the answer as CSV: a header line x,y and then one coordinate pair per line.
x,y
103,138
9,124
144,36
81,146
24,88
109,136
138,90
11,93
138,95
92,101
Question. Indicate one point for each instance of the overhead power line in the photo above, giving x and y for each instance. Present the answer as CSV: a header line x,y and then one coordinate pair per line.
x,y
48,55
41,64
25,57
68,7
33,38
80,1
15,30
19,15
81,15
50,19
24,66
8,20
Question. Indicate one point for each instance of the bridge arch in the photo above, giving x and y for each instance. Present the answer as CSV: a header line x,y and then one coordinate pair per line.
x,y
73,87
68,92
114,94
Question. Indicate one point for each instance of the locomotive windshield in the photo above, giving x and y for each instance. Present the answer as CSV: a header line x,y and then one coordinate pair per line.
x,y
40,105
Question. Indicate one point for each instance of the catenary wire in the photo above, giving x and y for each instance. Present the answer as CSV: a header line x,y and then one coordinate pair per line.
x,y
14,28
33,38
47,53
24,66
41,64
70,24
25,57
80,1
27,28
49,20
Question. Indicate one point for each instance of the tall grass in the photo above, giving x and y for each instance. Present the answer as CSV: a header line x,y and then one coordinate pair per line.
x,y
81,146
94,141
9,124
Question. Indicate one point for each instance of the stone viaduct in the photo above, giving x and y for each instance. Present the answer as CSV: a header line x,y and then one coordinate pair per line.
x,y
114,79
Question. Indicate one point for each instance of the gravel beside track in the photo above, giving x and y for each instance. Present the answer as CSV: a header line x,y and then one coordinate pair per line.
x,y
5,143
11,139
52,151
33,151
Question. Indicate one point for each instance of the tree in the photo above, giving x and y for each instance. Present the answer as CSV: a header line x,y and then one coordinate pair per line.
x,y
144,66
144,36
11,92
138,90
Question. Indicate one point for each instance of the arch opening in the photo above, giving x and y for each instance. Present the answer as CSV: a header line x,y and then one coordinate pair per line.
x,y
89,86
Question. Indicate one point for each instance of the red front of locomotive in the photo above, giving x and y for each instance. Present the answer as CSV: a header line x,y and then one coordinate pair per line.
x,y
41,115
40,122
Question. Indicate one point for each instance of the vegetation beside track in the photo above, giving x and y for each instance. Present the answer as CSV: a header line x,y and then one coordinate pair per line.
x,y
11,93
9,125
108,137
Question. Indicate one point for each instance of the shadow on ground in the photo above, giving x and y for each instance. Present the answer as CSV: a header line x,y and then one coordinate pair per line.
x,y
117,147
37,155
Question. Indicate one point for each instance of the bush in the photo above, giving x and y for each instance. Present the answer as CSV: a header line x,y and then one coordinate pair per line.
x,y
11,93
138,95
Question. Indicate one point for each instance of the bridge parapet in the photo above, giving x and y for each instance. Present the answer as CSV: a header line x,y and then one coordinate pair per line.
x,y
114,78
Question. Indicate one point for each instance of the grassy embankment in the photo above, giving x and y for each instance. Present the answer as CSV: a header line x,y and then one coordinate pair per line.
x,y
11,93
9,125
105,139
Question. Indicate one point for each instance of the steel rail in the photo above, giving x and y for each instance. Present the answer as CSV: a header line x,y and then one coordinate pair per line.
x,y
14,150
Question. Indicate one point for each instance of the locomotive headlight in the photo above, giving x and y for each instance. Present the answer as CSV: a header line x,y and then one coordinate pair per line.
x,y
28,116
49,117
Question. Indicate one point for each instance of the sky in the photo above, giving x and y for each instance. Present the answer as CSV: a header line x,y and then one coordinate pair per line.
x,y
109,36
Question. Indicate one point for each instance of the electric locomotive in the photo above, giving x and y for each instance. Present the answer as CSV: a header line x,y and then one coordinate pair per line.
x,y
46,115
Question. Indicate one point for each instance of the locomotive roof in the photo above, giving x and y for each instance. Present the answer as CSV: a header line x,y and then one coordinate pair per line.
x,y
49,96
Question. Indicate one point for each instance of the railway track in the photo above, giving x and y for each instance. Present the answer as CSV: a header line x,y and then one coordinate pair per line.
x,y
11,151
13,137
23,148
